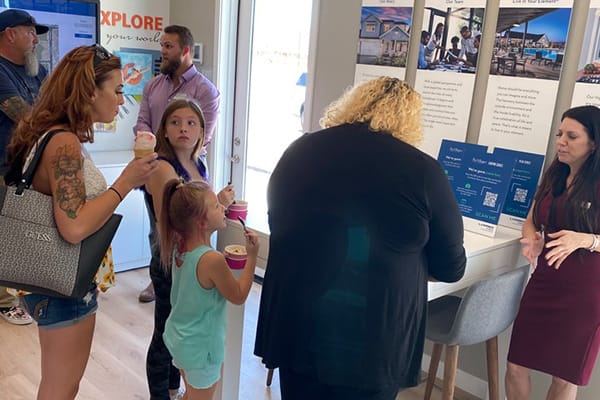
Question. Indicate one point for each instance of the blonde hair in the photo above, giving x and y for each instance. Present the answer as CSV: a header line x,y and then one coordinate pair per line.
x,y
386,104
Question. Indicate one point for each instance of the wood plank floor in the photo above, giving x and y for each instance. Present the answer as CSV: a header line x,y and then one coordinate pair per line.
x,y
116,369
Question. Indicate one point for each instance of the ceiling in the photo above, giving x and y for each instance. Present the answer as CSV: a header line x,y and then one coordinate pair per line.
x,y
509,16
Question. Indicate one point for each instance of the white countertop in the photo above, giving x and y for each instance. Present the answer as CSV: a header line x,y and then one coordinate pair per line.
x,y
476,244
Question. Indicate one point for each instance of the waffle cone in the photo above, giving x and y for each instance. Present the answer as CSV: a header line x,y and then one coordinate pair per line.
x,y
139,153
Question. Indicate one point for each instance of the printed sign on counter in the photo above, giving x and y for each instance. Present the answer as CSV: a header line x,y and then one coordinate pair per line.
x,y
479,181
491,188
521,190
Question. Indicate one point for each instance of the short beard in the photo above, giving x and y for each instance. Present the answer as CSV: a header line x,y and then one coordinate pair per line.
x,y
32,64
170,67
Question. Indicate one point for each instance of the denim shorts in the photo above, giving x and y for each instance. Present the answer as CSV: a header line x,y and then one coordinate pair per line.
x,y
59,312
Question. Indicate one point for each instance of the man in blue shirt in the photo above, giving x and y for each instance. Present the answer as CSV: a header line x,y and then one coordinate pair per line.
x,y
21,76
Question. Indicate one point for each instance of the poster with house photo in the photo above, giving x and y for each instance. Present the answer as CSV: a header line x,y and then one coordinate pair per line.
x,y
383,39
587,85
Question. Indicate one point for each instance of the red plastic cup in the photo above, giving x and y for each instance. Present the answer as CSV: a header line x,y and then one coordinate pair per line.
x,y
238,209
235,255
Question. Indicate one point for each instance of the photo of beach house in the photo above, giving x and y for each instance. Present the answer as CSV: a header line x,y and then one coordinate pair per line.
x,y
384,36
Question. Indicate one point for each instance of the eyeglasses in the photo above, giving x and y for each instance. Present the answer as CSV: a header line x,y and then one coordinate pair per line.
x,y
100,54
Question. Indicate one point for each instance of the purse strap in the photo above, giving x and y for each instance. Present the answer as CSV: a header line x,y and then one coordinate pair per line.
x,y
27,177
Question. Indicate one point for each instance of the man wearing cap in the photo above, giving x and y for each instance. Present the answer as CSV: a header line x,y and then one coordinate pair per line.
x,y
21,76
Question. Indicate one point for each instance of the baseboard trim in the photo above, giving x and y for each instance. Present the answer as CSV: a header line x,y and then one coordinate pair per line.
x,y
470,386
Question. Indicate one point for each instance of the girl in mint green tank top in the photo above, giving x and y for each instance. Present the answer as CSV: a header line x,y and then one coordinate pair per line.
x,y
202,282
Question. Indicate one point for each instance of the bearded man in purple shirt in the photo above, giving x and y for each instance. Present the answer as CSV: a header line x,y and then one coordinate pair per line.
x,y
178,78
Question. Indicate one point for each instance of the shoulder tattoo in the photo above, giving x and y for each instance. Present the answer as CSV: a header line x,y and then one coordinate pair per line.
x,y
70,190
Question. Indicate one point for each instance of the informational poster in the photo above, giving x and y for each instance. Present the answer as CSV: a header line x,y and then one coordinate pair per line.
x,y
131,30
490,186
526,64
382,50
587,86
448,53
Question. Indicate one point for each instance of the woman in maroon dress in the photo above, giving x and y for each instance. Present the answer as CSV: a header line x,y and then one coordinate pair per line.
x,y
557,328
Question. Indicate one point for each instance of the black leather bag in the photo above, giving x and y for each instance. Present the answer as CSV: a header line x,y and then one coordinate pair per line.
x,y
33,255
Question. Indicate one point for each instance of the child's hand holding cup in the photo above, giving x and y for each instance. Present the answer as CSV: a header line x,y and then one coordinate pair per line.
x,y
236,254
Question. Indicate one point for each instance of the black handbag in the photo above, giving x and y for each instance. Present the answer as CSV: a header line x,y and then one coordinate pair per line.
x,y
33,255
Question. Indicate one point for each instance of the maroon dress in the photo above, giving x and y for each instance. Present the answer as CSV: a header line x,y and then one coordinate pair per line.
x,y
557,328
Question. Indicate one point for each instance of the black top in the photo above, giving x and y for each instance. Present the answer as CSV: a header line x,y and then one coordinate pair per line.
x,y
183,175
358,220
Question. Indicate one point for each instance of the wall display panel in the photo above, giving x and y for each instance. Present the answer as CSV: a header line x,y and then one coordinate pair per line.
x,y
448,54
587,86
72,23
526,64
132,31
382,50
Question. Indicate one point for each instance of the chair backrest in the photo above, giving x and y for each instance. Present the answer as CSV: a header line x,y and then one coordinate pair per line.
x,y
489,307
559,59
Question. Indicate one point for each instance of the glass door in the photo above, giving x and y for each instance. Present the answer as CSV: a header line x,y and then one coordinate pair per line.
x,y
270,88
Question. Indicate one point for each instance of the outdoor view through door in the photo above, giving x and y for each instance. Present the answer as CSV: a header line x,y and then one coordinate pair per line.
x,y
276,99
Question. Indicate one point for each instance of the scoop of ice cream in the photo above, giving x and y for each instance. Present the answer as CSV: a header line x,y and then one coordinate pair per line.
x,y
235,249
145,141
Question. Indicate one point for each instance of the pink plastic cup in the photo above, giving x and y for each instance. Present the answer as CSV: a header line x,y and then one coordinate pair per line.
x,y
238,209
235,255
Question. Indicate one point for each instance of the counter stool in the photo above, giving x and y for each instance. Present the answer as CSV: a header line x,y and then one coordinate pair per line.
x,y
486,310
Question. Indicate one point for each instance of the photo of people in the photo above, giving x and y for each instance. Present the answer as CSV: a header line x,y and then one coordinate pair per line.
x,y
450,39
588,70
384,36
530,42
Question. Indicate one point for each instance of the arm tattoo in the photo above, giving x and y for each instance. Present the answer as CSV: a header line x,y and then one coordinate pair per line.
x,y
70,190
15,108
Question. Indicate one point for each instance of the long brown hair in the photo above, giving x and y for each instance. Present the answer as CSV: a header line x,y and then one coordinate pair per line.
x,y
582,212
65,98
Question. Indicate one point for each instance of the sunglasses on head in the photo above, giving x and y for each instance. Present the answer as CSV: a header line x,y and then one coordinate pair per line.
x,y
100,54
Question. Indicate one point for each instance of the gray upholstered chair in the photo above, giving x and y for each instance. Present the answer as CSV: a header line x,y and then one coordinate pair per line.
x,y
486,310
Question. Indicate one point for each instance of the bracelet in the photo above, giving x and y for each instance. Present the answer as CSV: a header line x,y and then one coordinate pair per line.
x,y
117,192
595,244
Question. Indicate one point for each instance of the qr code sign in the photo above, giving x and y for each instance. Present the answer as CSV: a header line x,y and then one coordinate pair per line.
x,y
520,195
490,199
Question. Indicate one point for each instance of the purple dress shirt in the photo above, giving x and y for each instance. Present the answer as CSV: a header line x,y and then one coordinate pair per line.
x,y
161,89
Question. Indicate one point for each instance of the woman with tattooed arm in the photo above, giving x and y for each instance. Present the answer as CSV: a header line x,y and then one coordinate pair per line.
x,y
85,87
